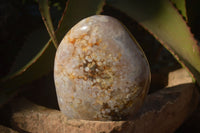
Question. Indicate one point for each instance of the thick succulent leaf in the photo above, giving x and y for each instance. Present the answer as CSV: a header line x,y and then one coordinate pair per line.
x,y
29,52
181,5
36,58
40,65
40,62
46,17
163,21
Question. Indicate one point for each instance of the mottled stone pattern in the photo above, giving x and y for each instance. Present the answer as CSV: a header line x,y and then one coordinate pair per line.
x,y
100,72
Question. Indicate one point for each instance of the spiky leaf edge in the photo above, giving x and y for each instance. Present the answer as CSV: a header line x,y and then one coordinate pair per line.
x,y
46,17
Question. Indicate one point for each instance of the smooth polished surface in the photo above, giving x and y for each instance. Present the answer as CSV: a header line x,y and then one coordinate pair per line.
x,y
100,72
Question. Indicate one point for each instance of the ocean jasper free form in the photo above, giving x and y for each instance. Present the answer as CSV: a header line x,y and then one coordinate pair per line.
x,y
100,71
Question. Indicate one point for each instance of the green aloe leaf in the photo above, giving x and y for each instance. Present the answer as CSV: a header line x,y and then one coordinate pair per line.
x,y
181,5
46,17
163,21
28,57
31,65
33,61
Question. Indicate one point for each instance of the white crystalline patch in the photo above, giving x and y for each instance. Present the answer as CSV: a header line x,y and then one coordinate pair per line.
x,y
84,28
87,69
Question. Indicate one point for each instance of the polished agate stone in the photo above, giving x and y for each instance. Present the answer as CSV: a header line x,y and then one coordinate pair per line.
x,y
100,71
